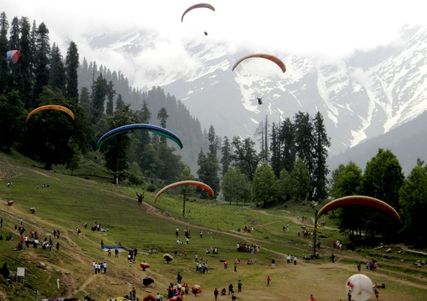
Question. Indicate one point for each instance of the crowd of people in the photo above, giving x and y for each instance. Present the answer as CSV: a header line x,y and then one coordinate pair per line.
x,y
248,248
99,267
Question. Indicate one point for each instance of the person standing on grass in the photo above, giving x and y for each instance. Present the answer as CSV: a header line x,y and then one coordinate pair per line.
x,y
216,292
268,280
239,286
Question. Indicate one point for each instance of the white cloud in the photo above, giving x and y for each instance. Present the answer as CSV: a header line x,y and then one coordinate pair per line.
x,y
327,28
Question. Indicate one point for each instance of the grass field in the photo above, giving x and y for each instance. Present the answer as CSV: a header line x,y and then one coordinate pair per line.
x,y
70,202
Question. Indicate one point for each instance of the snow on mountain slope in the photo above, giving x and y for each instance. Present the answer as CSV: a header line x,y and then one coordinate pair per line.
x,y
361,97
358,100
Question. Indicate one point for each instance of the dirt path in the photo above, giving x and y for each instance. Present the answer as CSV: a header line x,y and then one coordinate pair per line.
x,y
44,174
404,248
86,283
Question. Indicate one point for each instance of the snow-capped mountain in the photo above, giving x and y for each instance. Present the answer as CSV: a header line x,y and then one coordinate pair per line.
x,y
361,97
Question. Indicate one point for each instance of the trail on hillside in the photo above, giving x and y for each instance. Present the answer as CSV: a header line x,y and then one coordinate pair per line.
x,y
86,283
161,214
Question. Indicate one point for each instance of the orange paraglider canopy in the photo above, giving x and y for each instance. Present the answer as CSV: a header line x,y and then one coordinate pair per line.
x,y
199,5
198,184
361,200
51,107
269,57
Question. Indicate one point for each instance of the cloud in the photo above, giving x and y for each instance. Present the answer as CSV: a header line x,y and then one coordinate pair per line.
x,y
330,29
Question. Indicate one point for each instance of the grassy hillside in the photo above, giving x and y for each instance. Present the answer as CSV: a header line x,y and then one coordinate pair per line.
x,y
67,202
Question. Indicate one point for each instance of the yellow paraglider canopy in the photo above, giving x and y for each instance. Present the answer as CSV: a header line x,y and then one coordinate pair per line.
x,y
51,107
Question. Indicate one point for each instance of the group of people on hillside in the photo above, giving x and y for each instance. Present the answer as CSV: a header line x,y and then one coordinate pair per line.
x,y
291,259
132,254
231,290
248,248
212,250
99,267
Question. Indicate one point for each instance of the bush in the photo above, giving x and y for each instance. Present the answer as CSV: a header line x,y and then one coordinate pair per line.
x,y
4,271
151,188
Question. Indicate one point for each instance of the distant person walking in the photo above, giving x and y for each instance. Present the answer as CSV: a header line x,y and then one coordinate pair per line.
x,y
216,293
268,280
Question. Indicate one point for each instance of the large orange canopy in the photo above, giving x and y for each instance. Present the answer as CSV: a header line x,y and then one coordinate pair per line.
x,y
51,107
361,200
198,184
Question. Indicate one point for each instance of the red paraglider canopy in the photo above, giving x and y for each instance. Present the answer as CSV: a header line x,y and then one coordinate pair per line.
x,y
269,57
200,5
198,184
361,200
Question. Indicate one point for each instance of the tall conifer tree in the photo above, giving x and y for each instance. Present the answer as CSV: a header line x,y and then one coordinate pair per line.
x,y
57,70
320,154
41,59
71,66
14,44
226,155
25,63
4,68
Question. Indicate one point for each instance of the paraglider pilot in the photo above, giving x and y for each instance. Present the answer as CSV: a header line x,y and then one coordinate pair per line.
x,y
259,100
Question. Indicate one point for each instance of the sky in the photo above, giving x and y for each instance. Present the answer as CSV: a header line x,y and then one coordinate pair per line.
x,y
328,29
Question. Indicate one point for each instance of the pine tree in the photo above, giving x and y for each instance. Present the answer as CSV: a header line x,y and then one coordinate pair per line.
x,y
25,63
99,92
275,150
162,116
304,141
71,66
226,155
41,60
14,44
110,99
85,100
57,70
212,163
119,102
14,34
288,145
4,68
320,154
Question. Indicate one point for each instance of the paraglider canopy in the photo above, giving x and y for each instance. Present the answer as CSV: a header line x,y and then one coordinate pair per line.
x,y
198,184
144,126
360,287
361,200
13,56
167,257
199,5
51,107
269,57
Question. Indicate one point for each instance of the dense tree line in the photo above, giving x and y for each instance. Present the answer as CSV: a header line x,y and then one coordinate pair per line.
x,y
290,165
383,178
295,169
43,76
